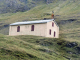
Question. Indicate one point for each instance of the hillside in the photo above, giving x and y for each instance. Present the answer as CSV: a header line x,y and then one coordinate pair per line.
x,y
36,48
22,49
13,6
67,15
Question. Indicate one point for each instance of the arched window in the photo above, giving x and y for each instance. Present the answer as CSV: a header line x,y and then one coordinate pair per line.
x,y
54,33
52,24
50,32
18,29
32,28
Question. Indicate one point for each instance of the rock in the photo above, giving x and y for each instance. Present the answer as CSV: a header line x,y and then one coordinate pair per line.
x,y
78,49
37,41
67,21
71,44
69,52
6,25
60,42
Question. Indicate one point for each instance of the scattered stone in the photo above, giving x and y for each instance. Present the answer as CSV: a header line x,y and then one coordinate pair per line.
x,y
67,21
45,43
37,41
71,44
69,52
78,49
61,42
6,25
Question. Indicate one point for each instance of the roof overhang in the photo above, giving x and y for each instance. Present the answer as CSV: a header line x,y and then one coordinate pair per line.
x,y
32,22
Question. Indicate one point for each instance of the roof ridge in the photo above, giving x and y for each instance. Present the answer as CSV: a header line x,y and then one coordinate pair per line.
x,y
32,22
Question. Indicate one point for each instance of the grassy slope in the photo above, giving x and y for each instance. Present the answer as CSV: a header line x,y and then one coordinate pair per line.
x,y
16,48
35,48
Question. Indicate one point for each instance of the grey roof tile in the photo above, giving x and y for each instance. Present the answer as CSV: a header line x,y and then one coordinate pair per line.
x,y
32,22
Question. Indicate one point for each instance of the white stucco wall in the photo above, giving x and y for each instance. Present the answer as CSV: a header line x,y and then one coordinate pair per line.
x,y
53,28
39,30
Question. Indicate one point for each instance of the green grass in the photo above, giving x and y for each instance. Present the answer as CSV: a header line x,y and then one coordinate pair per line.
x,y
28,46
23,48
39,12
35,48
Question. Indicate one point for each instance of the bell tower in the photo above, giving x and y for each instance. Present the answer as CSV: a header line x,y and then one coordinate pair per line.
x,y
52,15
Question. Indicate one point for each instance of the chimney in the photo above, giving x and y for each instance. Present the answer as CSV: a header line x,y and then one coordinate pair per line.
x,y
52,16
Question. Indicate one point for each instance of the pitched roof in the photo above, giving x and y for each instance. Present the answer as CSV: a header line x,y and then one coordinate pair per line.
x,y
32,22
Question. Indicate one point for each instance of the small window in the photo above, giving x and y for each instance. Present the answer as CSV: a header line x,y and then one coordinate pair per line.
x,y
54,33
52,24
18,29
32,28
50,32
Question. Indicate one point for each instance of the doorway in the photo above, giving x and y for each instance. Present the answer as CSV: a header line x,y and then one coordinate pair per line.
x,y
54,33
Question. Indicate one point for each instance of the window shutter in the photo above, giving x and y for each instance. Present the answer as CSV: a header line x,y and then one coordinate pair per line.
x,y
18,29
32,28
54,33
